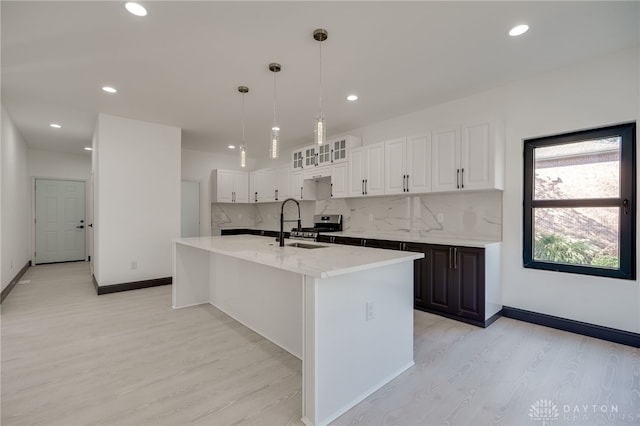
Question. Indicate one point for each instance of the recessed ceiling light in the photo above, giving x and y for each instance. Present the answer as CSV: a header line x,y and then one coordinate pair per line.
x,y
109,89
55,125
518,30
136,8
88,148
352,98
231,147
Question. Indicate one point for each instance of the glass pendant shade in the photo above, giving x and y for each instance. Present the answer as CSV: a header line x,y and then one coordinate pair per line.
x,y
320,130
243,156
243,147
275,142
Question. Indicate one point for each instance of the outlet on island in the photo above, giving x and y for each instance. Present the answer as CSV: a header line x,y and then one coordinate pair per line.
x,y
371,310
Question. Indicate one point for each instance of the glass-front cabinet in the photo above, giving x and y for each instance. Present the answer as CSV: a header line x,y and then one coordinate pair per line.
x,y
298,159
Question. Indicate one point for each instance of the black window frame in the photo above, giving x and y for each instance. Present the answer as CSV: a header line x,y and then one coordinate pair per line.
x,y
627,222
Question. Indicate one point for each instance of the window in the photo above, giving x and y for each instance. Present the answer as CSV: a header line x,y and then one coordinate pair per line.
x,y
580,201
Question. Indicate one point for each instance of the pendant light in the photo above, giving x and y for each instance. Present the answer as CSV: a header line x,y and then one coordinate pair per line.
x,y
275,130
321,126
243,146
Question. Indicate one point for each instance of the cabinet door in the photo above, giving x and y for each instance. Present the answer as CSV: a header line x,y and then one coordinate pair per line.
x,y
395,160
324,154
469,282
420,273
297,183
254,186
419,164
339,150
297,158
268,185
283,183
241,187
374,169
356,172
476,162
224,186
339,180
440,293
310,156
445,149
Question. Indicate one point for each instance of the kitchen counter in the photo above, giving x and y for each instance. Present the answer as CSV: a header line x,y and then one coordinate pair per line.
x,y
403,236
414,237
327,261
346,312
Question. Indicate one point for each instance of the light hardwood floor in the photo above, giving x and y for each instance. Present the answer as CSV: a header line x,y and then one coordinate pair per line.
x,y
70,357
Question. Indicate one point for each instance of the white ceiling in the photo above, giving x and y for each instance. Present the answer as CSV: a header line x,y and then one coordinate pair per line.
x,y
181,65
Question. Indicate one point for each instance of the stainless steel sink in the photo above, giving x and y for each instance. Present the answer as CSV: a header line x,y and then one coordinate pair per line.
x,y
305,245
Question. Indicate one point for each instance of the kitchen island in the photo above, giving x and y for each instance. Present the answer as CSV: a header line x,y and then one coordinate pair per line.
x,y
346,312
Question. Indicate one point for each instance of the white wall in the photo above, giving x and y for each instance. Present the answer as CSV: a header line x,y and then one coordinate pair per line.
x,y
197,166
58,165
599,92
138,193
15,206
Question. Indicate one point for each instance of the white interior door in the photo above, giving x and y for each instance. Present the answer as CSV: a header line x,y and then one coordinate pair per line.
x,y
190,209
60,221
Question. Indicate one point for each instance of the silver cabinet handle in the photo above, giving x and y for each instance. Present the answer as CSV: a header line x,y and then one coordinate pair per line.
x,y
331,190
256,197
450,258
458,178
366,186
407,183
276,195
301,192
462,180
362,186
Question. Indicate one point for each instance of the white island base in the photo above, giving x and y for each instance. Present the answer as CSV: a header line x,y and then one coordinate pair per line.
x,y
350,321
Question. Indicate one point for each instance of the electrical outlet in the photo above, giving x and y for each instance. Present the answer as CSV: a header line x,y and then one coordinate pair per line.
x,y
134,264
440,217
371,310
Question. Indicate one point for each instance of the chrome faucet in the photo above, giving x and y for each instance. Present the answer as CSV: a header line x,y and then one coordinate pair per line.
x,y
282,221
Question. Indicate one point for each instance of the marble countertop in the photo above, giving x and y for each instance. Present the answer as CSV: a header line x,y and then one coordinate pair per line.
x,y
328,261
414,237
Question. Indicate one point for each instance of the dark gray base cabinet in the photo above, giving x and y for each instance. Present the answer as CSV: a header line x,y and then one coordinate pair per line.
x,y
449,280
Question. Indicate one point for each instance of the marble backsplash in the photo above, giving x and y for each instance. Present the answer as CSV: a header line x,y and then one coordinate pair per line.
x,y
475,215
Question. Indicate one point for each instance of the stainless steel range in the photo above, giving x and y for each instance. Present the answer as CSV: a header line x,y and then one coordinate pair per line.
x,y
321,223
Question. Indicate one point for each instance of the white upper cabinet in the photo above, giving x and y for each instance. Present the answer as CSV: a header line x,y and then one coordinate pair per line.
x,y
323,155
408,165
418,164
297,185
269,185
395,159
469,157
229,186
339,180
366,170
283,183
341,146
297,159
309,155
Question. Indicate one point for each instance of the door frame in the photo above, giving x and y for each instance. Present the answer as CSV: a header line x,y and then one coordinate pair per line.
x,y
33,215
199,203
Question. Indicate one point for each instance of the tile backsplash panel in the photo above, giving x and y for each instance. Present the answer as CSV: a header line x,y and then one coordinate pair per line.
x,y
474,215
